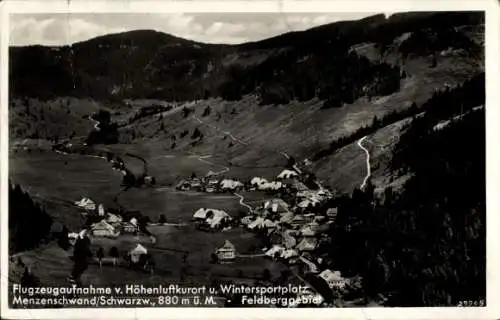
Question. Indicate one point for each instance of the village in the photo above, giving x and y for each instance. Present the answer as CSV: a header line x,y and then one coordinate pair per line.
x,y
294,229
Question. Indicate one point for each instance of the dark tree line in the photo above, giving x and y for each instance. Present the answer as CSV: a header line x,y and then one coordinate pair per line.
x,y
329,72
148,111
423,246
426,41
29,224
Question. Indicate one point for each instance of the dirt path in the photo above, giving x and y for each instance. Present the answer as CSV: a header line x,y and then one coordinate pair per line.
x,y
227,133
230,135
368,167
242,199
202,159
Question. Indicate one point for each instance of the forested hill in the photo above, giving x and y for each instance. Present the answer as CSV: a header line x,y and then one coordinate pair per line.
x,y
426,244
319,62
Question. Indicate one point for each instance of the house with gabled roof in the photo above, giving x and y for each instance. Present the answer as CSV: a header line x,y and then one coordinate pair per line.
x,y
104,229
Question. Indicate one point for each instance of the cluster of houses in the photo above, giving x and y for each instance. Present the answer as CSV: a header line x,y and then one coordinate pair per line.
x,y
285,180
295,229
207,184
108,224
112,225
212,219
295,233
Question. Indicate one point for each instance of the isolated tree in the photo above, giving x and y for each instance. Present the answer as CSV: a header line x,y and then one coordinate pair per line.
x,y
100,255
213,258
434,62
113,253
186,112
151,263
28,279
143,221
196,133
207,111
284,275
162,219
266,275
414,107
109,156
63,240
81,254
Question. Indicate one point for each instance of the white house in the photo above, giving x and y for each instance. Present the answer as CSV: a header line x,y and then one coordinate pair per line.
x,y
308,202
246,220
312,267
212,186
288,239
228,184
104,229
307,244
287,174
269,224
136,253
217,218
308,231
101,210
289,253
286,217
133,221
200,214
227,252
276,249
256,224
113,218
333,279
129,227
257,181
277,206
273,185
332,212
86,203
72,237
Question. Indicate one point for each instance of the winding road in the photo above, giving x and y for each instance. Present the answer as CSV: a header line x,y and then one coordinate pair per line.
x,y
368,167
242,198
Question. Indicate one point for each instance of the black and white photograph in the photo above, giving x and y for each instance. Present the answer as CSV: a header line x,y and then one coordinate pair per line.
x,y
246,160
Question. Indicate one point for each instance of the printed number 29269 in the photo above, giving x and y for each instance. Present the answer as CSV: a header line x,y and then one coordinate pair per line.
x,y
471,303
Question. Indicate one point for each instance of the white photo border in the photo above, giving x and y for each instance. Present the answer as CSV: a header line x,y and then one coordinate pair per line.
x,y
492,40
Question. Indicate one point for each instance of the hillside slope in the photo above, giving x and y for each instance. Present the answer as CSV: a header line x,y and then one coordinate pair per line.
x,y
295,93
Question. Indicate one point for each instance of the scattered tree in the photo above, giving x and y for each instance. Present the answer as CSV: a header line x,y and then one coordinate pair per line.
x,y
113,253
162,219
100,255
207,111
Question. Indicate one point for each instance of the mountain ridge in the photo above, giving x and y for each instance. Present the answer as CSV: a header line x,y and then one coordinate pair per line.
x,y
153,64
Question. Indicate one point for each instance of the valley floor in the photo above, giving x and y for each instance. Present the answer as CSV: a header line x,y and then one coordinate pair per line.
x,y
182,253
